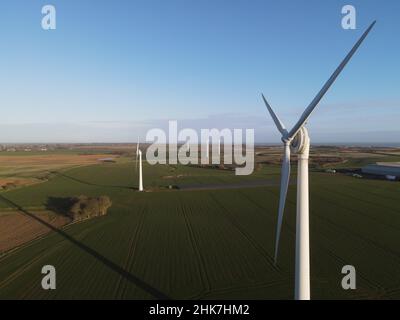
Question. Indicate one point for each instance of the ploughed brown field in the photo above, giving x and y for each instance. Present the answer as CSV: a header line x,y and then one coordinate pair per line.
x,y
16,228
51,159
17,170
17,182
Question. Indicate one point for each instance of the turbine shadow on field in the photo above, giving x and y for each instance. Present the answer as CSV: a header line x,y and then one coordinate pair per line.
x,y
108,263
91,183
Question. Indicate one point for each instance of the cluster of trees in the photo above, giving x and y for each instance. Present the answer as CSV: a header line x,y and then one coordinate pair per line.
x,y
80,207
87,207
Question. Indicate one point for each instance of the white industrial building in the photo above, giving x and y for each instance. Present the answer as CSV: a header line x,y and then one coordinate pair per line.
x,y
390,170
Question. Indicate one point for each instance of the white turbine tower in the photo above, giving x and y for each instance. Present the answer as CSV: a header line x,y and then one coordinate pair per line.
x,y
139,158
298,141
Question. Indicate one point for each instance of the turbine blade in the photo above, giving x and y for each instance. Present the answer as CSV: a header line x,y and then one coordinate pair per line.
x,y
285,176
327,85
277,121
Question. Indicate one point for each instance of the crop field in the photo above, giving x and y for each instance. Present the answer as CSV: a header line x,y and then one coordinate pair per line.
x,y
210,243
19,169
17,229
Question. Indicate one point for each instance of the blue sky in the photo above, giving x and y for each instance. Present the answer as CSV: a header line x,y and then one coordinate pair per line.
x,y
113,69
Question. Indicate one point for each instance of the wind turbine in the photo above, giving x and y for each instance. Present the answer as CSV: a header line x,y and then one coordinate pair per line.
x,y
298,141
139,157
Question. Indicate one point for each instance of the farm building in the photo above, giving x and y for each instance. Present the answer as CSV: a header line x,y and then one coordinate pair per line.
x,y
386,169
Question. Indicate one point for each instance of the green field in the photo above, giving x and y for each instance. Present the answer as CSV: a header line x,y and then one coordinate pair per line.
x,y
205,244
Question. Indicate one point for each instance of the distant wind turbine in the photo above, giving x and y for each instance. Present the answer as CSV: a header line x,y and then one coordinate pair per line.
x,y
139,158
298,141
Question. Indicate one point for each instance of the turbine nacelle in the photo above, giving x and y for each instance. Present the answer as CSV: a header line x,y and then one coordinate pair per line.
x,y
301,142
297,143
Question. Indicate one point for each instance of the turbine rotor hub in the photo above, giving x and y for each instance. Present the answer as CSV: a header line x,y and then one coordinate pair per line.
x,y
285,140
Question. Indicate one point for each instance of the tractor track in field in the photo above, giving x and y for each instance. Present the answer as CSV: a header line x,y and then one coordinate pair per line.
x,y
47,252
358,212
256,204
361,275
374,285
120,288
247,236
26,266
284,224
229,289
228,186
394,293
330,252
384,196
321,247
360,236
205,280
325,249
365,200
256,285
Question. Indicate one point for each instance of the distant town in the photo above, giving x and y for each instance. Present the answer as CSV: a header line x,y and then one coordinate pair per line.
x,y
27,148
